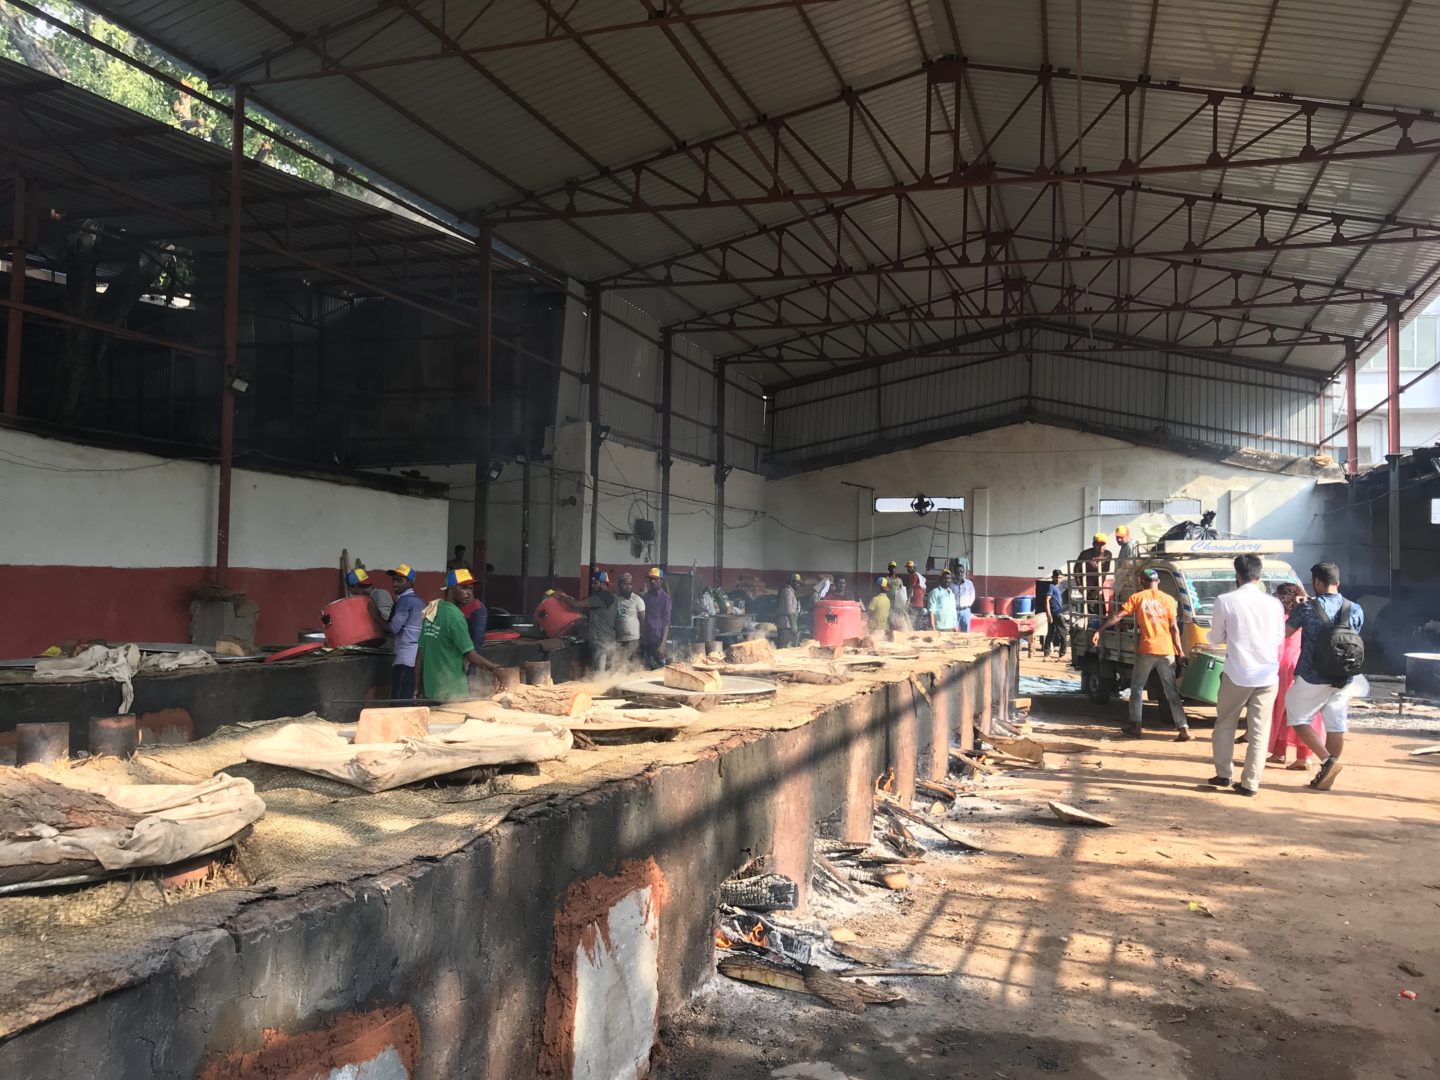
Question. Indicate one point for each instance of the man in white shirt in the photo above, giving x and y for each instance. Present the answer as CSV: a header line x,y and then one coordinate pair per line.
x,y
964,590
1250,623
629,615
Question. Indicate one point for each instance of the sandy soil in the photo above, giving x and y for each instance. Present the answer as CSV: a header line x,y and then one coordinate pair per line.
x,y
1073,952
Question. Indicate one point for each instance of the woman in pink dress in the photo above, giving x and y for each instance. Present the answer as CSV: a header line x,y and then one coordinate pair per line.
x,y
1281,736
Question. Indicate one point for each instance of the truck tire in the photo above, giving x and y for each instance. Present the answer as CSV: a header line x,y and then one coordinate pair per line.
x,y
1099,685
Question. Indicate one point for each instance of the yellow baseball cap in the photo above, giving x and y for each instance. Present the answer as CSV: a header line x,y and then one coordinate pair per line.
x,y
459,577
1101,538
655,572
1122,531
404,571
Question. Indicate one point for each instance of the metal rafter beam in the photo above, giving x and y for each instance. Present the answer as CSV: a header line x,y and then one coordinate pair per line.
x,y
1207,241
1075,341
1289,139
952,259
1010,309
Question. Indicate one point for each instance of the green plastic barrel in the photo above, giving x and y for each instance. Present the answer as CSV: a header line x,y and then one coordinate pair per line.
x,y
1201,681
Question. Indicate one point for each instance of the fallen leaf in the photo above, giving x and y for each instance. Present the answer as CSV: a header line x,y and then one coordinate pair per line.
x,y
1200,909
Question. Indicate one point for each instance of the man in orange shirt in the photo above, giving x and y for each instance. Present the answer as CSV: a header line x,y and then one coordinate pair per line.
x,y
1157,617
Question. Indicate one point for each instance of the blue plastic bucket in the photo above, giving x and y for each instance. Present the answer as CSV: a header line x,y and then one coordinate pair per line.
x,y
1023,605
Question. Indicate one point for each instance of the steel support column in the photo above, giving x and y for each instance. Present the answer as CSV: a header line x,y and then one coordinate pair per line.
x,y
525,532
1352,424
1392,417
720,471
480,545
232,332
14,315
667,438
1392,375
593,394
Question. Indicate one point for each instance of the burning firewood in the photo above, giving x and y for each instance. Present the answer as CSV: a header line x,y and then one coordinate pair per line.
x,y
939,791
895,880
972,762
767,892
828,874
685,677
852,997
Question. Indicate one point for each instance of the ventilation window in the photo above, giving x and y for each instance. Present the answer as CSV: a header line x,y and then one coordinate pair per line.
x,y
1130,507
1122,506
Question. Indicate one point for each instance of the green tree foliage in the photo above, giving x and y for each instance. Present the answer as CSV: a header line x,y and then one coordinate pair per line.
x,y
38,44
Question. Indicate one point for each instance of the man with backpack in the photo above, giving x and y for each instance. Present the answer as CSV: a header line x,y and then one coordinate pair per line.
x,y
1331,655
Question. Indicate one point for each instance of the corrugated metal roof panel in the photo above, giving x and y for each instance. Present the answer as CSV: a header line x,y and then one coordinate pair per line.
x,y
1323,49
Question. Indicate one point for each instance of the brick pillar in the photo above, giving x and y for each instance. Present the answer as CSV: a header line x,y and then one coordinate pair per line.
x,y
906,705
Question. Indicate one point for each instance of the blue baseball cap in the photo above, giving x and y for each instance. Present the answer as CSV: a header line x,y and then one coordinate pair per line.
x,y
459,577
358,576
1150,575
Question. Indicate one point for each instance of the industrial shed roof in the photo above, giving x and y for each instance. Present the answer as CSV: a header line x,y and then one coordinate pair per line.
x,y
805,184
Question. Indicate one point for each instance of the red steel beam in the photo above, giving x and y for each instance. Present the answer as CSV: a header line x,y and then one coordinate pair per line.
x,y
15,317
901,319
64,318
1295,121
232,329
484,380
1352,424
981,177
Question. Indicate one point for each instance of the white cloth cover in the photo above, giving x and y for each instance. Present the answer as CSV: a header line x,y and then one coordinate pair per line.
x,y
181,820
319,748
120,664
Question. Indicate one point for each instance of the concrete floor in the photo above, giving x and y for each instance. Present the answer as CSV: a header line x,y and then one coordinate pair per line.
x,y
1073,952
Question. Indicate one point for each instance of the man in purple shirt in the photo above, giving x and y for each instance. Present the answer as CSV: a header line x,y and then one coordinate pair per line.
x,y
656,628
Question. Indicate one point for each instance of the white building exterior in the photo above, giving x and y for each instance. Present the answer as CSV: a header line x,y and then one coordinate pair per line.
x,y
1419,405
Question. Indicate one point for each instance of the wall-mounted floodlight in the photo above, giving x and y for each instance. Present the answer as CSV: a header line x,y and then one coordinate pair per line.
x,y
919,504
237,381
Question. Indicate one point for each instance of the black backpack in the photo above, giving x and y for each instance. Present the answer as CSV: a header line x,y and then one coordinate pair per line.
x,y
1339,652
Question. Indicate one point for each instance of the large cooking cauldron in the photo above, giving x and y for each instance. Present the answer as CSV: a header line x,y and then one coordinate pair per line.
x,y
1422,675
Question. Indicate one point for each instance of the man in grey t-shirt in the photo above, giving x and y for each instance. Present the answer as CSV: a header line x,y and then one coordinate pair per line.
x,y
600,609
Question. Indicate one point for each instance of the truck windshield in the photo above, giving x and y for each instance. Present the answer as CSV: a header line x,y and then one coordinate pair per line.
x,y
1206,585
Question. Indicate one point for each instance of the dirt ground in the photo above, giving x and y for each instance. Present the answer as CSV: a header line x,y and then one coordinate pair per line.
x,y
1073,952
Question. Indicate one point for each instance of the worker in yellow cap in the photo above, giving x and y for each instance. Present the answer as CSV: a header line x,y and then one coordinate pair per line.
x,y
405,623
656,630
879,608
382,604
447,644
1092,566
1128,549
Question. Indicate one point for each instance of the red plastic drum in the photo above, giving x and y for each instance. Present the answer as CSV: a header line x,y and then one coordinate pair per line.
x,y
555,618
348,622
838,620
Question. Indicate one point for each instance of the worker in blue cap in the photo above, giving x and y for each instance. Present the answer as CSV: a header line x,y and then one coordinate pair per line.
x,y
405,623
600,608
